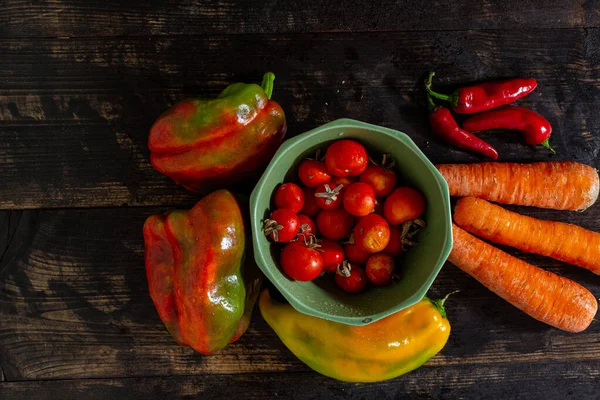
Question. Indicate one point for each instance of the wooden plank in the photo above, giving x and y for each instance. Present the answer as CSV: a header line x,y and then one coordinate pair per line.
x,y
74,304
68,18
556,380
74,114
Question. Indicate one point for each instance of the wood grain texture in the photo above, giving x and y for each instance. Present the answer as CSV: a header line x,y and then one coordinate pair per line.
x,y
471,382
74,303
74,114
69,18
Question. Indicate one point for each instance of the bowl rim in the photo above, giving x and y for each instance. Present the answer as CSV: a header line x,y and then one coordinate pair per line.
x,y
257,228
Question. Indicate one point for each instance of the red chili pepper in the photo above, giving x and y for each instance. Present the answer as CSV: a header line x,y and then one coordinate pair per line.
x,y
485,96
443,124
536,129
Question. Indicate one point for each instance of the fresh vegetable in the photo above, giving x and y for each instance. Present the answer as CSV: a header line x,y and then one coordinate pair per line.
x,y
346,158
404,204
350,278
310,207
372,233
343,180
381,178
359,199
332,253
564,242
312,173
547,297
335,224
196,275
354,253
535,128
328,197
562,185
200,143
282,226
301,261
395,245
290,196
382,350
445,127
380,268
307,227
485,96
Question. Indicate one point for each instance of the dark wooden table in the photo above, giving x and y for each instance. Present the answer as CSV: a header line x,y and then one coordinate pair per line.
x,y
81,82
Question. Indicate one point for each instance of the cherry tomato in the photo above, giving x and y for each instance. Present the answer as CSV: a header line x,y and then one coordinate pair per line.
x,y
404,204
332,253
379,269
372,233
346,158
382,180
335,224
355,254
394,247
282,226
351,278
301,262
312,172
310,205
328,197
307,226
342,180
359,199
290,196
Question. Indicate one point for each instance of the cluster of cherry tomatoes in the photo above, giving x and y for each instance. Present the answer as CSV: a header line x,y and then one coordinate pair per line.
x,y
349,218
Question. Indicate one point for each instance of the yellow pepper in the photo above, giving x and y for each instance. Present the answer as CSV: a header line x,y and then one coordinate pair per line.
x,y
382,350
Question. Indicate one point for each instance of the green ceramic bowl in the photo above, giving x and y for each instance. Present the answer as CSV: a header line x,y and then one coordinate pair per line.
x,y
419,266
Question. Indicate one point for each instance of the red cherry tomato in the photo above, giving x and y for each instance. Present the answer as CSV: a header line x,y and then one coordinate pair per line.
x,y
312,172
382,180
332,253
282,226
355,254
310,205
394,247
379,269
359,199
372,233
351,278
301,262
346,158
404,204
307,227
335,224
342,180
290,196
328,197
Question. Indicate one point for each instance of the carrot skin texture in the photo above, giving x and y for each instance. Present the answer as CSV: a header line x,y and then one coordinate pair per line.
x,y
547,297
562,185
565,242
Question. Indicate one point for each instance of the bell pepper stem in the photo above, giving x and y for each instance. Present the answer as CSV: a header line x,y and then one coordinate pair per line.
x,y
546,144
450,98
439,303
267,84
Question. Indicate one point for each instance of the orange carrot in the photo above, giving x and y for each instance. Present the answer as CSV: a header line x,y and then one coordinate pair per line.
x,y
564,242
559,185
545,296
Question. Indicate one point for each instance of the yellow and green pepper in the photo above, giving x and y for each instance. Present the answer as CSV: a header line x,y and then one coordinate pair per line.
x,y
382,350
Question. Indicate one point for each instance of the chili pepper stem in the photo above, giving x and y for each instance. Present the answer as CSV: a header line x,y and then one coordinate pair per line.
x,y
546,144
267,84
450,98
439,303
